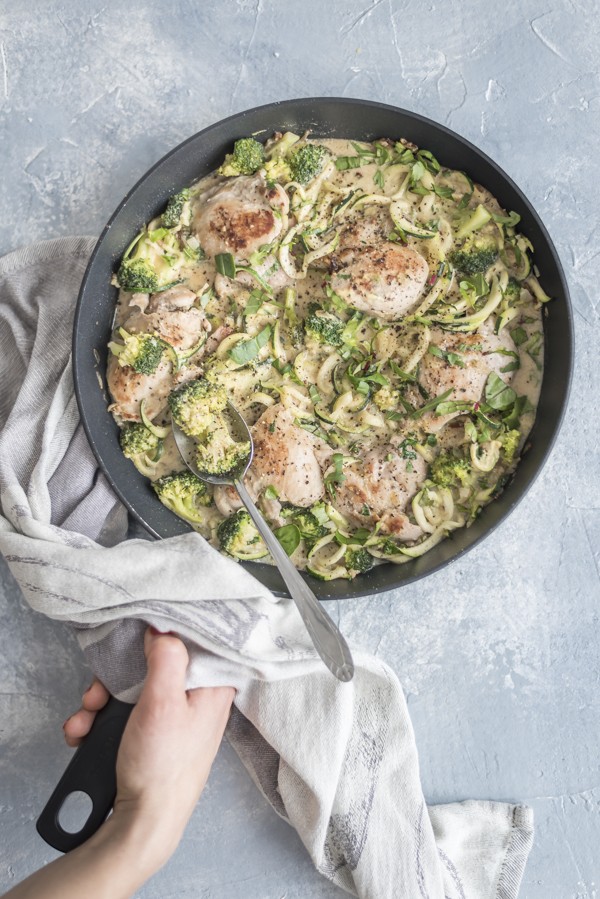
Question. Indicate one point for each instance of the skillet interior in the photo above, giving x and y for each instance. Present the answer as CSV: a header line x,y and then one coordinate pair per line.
x,y
200,154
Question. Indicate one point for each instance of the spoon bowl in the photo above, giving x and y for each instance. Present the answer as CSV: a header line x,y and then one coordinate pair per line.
x,y
325,635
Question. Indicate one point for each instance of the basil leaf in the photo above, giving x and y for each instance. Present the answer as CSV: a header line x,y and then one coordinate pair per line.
x,y
453,406
360,536
225,264
445,193
313,427
432,404
434,350
417,171
455,359
289,537
337,475
519,336
378,179
247,350
498,395
521,405
429,160
512,219
255,301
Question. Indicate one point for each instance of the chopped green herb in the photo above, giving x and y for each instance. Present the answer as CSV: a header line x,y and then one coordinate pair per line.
x,y
313,427
289,537
225,264
498,395
379,179
512,219
336,476
247,350
271,493
432,404
255,301
519,336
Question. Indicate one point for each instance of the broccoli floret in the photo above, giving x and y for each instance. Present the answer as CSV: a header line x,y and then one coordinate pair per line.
x,y
219,453
306,521
197,407
449,471
142,352
171,217
185,494
137,276
141,446
510,443
476,255
150,263
278,170
247,157
324,327
309,526
238,536
386,399
307,162
136,440
512,291
195,404
359,560
388,547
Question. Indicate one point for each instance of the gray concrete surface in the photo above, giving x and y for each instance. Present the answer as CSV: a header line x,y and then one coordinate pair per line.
x,y
499,655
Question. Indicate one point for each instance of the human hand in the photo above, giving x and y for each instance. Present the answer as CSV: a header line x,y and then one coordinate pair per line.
x,y
168,745
166,753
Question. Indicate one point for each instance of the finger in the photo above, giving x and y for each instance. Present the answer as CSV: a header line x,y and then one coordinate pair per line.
x,y
95,697
78,726
211,700
211,707
167,660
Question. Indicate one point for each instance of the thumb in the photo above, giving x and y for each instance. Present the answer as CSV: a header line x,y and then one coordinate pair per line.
x,y
167,660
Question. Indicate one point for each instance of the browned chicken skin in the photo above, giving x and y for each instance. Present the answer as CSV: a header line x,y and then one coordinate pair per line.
x,y
374,275
240,216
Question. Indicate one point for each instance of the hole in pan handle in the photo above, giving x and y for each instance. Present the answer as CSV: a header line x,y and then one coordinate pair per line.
x,y
92,770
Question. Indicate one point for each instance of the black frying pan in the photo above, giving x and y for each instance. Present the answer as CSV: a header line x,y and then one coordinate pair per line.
x,y
197,156
200,154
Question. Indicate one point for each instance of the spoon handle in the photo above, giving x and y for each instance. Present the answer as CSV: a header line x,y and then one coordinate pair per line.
x,y
325,635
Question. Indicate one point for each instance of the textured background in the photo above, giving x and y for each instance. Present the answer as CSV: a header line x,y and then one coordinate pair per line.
x,y
499,654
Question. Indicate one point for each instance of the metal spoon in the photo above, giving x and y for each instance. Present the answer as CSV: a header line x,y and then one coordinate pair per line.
x,y
325,635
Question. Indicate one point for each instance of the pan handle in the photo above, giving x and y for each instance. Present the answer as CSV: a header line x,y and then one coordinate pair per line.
x,y
92,770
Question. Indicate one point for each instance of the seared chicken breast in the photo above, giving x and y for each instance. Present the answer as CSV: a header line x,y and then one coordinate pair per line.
x,y
373,274
378,489
240,216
